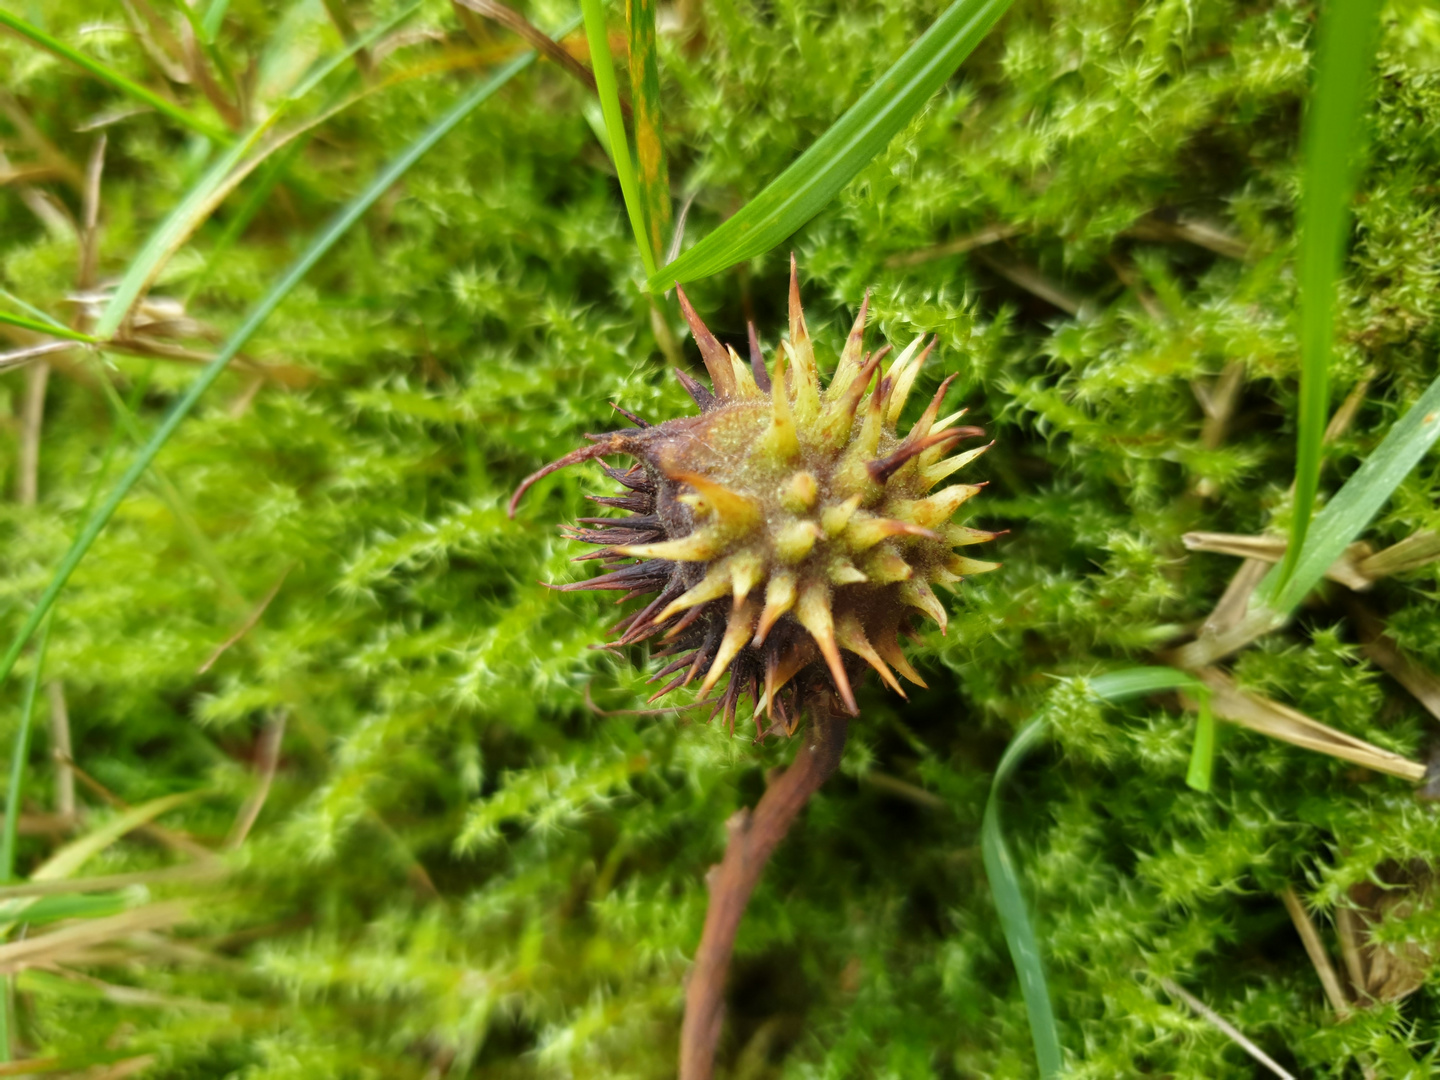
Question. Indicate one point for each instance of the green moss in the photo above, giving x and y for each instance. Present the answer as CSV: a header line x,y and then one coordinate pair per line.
x,y
462,868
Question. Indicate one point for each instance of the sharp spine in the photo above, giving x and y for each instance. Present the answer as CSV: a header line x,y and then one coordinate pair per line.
x,y
779,598
813,611
717,361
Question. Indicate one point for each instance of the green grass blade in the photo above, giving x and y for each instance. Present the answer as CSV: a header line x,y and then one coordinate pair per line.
x,y
363,41
78,852
214,16
106,74
18,757
1115,686
262,311
45,318
1004,878
195,537
1004,875
603,65
1202,753
94,906
171,233
649,140
1357,502
245,213
44,327
865,130
1332,123
217,184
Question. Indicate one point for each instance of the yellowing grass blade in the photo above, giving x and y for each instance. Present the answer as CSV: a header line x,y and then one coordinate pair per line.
x,y
649,141
603,65
77,853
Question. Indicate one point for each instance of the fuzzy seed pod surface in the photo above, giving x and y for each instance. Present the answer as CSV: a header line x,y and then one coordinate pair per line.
x,y
787,533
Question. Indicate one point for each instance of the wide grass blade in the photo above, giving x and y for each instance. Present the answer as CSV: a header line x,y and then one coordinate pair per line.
x,y
1355,505
178,225
649,140
107,74
262,311
603,65
1202,753
240,219
1004,878
217,183
813,180
1332,124
96,906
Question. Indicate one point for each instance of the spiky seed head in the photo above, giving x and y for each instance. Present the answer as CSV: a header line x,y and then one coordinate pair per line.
x,y
788,533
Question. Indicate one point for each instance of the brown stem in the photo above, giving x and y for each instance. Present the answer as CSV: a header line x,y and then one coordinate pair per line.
x,y
32,417
541,42
753,836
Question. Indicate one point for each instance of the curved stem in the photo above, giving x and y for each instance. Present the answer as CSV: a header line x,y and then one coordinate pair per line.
x,y
753,837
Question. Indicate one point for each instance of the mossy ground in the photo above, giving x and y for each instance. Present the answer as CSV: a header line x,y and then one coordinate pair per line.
x,y
465,868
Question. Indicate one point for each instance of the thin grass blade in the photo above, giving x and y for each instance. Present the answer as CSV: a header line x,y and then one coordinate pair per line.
x,y
212,190
242,334
1332,123
185,874
71,1065
35,313
60,945
1357,502
1004,878
214,16
213,187
19,754
44,327
363,41
180,510
107,74
603,65
833,161
649,140
1004,875
1116,686
79,851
